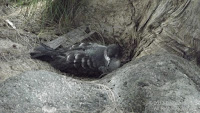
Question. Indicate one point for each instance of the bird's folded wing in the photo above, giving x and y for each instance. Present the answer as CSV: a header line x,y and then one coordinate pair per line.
x,y
74,61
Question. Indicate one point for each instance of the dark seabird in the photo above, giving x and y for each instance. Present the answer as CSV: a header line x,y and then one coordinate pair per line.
x,y
84,59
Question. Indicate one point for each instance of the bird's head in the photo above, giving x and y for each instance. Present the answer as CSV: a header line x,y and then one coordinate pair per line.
x,y
112,55
113,51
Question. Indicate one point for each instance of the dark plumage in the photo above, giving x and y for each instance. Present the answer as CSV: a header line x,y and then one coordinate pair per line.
x,y
89,59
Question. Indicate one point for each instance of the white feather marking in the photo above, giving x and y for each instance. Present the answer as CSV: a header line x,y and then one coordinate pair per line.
x,y
83,62
107,58
88,63
81,44
61,57
76,56
75,60
68,57
72,47
75,63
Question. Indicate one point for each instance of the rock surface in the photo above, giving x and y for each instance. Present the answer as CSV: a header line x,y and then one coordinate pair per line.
x,y
42,91
14,59
157,25
161,83
152,84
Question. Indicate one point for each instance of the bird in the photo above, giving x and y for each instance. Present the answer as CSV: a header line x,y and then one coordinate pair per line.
x,y
82,59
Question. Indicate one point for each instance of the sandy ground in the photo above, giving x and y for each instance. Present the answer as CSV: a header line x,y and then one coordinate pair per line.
x,y
19,34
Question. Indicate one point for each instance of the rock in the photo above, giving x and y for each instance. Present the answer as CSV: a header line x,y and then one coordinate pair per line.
x,y
14,59
47,92
152,84
17,66
166,25
156,84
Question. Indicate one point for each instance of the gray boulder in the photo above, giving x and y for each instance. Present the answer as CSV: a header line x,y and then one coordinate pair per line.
x,y
42,91
152,84
161,83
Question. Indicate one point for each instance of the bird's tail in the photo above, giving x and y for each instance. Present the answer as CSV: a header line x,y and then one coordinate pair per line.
x,y
44,53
